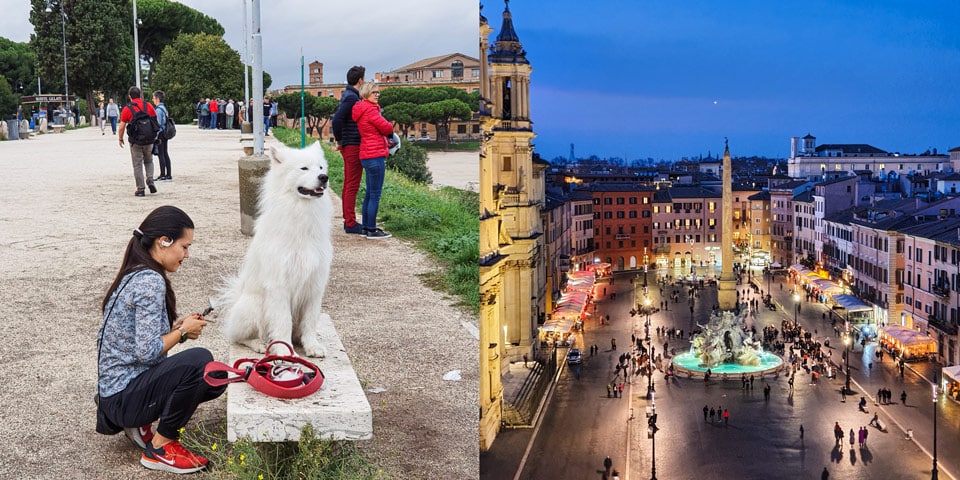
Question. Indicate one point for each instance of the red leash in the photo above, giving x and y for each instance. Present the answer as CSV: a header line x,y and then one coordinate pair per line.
x,y
279,376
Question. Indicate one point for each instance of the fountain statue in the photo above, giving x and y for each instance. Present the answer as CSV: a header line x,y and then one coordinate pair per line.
x,y
724,340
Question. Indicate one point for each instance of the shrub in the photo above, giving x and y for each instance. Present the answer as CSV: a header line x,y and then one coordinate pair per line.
x,y
411,162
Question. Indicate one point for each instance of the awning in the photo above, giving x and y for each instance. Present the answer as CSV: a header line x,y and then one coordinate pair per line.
x,y
952,374
913,342
800,269
851,303
827,286
775,265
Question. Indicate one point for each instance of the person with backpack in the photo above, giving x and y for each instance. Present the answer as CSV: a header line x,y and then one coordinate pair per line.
x,y
139,120
162,118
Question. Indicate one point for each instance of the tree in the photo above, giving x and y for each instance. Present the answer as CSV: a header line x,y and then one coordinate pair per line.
x,y
441,113
403,115
99,44
8,101
17,64
196,66
163,21
319,110
436,105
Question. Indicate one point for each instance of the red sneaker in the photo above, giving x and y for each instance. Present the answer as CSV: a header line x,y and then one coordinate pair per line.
x,y
173,458
140,436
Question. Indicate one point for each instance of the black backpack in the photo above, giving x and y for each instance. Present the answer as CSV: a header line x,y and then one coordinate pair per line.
x,y
143,129
169,127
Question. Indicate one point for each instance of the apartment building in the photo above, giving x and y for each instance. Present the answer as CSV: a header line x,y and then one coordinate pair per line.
x,y
809,160
622,222
782,218
687,230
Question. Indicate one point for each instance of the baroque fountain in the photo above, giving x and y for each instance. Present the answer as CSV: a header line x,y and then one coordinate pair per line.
x,y
724,347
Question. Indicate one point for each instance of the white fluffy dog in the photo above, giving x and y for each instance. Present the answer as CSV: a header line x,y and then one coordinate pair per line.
x,y
279,291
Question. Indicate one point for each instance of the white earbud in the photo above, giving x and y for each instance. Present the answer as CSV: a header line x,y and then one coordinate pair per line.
x,y
165,243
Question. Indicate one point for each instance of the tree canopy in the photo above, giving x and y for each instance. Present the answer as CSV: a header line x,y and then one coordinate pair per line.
x,y
195,66
436,105
99,45
17,64
318,110
163,21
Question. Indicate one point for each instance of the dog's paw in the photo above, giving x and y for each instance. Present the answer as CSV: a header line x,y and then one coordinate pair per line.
x,y
314,349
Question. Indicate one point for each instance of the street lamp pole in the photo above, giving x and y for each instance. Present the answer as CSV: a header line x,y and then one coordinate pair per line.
x,y
934,475
63,32
136,46
796,307
846,359
652,424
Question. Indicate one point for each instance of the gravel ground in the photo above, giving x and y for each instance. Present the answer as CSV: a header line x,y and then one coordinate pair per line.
x,y
66,212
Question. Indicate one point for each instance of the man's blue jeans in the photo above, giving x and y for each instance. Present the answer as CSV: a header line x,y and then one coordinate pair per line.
x,y
373,169
213,120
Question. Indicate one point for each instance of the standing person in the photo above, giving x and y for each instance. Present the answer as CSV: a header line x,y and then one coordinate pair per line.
x,y
205,114
162,152
102,118
266,116
242,113
113,112
197,109
229,110
706,409
141,153
214,108
373,129
221,114
273,112
607,465
726,417
138,382
851,438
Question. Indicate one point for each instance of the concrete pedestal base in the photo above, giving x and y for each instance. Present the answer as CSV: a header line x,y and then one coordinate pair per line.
x,y
338,411
252,170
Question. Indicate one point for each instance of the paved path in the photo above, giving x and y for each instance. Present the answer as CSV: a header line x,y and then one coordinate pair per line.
x,y
66,212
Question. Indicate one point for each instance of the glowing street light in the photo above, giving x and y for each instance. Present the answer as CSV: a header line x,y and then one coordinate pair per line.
x,y
846,359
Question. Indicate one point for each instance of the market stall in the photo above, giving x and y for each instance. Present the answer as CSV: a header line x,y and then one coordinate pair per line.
x,y
951,381
911,344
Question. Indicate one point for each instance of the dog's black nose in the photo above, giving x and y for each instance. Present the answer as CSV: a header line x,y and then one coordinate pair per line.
x,y
323,178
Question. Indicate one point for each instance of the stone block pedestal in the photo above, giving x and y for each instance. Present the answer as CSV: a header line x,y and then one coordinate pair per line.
x,y
338,411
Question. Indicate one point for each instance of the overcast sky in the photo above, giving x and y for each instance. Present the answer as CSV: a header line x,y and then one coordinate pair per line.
x,y
667,79
376,34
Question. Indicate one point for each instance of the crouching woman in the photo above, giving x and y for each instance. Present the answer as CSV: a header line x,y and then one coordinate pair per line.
x,y
138,383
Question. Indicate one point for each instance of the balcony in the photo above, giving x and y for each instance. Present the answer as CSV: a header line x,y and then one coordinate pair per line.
x,y
942,291
942,325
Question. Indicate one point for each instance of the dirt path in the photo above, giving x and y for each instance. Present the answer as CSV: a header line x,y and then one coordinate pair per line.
x,y
66,212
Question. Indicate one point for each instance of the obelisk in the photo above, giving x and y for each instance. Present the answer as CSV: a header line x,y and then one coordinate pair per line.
x,y
727,284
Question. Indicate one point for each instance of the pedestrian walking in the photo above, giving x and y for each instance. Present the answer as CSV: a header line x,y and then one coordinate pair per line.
x,y
860,437
726,417
766,392
903,397
713,413
609,389
801,430
843,394
620,389
825,475
613,343
851,438
865,433
706,409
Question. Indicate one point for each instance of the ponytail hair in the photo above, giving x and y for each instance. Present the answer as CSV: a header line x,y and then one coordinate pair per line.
x,y
166,221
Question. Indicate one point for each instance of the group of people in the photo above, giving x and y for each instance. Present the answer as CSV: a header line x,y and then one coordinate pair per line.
x,y
108,113
142,150
719,413
220,114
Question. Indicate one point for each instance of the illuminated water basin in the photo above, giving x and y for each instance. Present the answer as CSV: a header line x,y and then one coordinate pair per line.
x,y
768,362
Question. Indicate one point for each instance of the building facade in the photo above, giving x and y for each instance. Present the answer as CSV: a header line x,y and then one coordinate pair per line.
x,y
512,256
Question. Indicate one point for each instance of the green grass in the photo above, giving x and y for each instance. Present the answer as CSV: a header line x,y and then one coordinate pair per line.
x,y
444,223
309,458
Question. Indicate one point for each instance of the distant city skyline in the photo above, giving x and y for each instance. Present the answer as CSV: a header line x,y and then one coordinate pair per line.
x,y
667,80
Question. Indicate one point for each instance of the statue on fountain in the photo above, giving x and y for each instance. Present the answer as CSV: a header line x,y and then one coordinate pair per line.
x,y
724,339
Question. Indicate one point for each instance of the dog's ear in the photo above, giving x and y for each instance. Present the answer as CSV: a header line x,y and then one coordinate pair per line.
x,y
275,154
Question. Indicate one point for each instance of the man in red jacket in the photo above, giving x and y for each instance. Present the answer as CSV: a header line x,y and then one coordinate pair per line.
x,y
141,154
214,110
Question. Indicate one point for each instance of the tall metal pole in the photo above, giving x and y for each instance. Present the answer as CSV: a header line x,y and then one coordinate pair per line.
x,y
934,475
136,46
246,60
258,125
63,31
303,111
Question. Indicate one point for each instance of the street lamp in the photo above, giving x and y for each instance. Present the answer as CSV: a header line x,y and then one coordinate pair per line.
x,y
796,306
652,426
136,44
934,474
846,359
646,304
63,32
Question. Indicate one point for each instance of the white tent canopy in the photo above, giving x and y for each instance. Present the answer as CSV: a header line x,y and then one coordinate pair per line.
x,y
952,374
851,303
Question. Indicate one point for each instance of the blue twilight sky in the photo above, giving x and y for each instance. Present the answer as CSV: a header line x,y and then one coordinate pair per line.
x,y
667,79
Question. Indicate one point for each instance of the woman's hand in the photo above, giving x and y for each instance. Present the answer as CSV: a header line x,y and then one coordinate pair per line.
x,y
192,324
